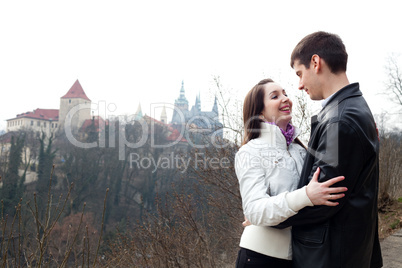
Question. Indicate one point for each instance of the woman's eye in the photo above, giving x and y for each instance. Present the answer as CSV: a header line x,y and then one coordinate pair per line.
x,y
274,97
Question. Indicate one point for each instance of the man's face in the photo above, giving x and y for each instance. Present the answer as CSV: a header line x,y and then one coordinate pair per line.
x,y
308,80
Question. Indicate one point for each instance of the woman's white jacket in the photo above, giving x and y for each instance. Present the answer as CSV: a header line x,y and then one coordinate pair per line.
x,y
268,172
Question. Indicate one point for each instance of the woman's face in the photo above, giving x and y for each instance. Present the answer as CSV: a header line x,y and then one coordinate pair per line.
x,y
277,105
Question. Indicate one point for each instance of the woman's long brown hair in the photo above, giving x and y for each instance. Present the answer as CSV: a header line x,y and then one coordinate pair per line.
x,y
252,108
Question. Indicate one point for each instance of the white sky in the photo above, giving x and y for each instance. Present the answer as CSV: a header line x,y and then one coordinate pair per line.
x,y
130,52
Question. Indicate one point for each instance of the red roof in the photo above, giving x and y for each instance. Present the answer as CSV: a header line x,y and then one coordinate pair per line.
x,y
6,137
96,120
174,136
44,114
174,133
76,91
153,119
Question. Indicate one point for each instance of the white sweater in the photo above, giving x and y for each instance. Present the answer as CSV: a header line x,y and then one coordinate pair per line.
x,y
268,172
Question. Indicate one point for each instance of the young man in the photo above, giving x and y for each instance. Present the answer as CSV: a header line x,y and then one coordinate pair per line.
x,y
344,142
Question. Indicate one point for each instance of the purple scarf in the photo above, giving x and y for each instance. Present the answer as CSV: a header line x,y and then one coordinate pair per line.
x,y
290,131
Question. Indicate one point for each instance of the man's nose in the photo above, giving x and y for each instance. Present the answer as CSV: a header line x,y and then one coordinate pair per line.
x,y
301,86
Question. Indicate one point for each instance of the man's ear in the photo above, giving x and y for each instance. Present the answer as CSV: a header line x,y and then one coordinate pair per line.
x,y
316,62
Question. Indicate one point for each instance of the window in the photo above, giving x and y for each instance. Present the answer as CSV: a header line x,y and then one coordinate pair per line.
x,y
38,123
31,122
56,125
44,124
52,125
69,101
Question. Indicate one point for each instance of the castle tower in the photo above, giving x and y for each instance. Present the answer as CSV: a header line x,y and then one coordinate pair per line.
x,y
74,97
164,115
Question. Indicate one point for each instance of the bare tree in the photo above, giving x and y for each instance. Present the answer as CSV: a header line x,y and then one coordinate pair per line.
x,y
230,111
301,115
394,79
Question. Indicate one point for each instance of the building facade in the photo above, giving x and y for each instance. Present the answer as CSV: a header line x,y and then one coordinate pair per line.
x,y
51,120
39,120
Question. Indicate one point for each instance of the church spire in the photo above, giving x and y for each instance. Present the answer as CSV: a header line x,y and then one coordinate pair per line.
x,y
182,90
198,102
215,108
182,102
138,113
164,115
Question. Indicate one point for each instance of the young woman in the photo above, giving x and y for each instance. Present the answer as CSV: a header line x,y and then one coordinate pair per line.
x,y
268,167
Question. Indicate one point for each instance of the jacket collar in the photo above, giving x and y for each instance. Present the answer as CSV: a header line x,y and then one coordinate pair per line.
x,y
351,90
272,136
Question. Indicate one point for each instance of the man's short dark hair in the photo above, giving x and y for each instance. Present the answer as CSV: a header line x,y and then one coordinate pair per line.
x,y
326,45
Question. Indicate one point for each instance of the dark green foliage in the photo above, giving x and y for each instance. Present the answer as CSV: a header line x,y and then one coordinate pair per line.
x,y
12,189
82,167
46,157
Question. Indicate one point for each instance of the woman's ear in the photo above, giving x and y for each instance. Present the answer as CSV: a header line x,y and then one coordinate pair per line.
x,y
261,116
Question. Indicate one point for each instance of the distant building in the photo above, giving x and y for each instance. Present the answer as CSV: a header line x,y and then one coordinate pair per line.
x,y
71,100
195,118
75,110
39,120
50,120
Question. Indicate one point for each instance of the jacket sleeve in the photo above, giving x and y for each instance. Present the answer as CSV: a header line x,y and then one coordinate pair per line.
x,y
339,153
259,207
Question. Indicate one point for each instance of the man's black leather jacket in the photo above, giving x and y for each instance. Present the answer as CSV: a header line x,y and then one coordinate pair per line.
x,y
344,141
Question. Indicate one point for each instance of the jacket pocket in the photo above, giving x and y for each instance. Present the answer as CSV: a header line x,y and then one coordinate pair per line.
x,y
311,236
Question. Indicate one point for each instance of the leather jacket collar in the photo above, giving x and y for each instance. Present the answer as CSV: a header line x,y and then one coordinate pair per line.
x,y
349,91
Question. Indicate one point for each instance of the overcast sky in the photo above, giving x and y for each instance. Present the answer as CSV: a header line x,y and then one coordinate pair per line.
x,y
131,52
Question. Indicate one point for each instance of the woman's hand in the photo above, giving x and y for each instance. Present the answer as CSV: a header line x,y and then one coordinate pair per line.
x,y
322,193
246,222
